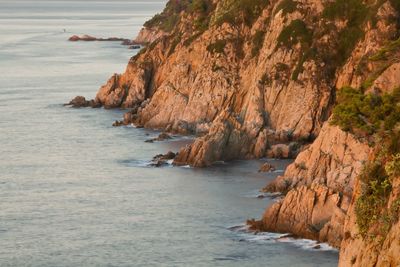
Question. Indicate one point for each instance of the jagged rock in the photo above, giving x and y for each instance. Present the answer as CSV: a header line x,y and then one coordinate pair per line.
x,y
118,123
334,159
76,38
267,167
306,212
88,38
78,102
280,151
81,102
162,159
148,35
135,47
319,187
389,79
208,149
161,137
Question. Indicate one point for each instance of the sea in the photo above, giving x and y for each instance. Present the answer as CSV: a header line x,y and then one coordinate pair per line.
x,y
75,191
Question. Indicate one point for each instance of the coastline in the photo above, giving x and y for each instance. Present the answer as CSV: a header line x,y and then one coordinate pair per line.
x,y
196,82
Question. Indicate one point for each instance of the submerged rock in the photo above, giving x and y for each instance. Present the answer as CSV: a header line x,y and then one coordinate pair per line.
x,y
161,137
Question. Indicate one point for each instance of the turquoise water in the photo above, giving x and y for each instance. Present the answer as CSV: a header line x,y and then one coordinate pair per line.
x,y
74,191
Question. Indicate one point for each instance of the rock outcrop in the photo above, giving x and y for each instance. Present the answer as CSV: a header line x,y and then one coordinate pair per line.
x,y
149,35
318,187
162,159
89,38
81,102
267,167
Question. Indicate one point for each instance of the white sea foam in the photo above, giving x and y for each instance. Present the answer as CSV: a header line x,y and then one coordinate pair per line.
x,y
266,237
258,194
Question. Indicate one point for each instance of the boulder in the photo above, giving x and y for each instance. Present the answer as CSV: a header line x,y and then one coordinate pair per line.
x,y
161,137
267,167
162,159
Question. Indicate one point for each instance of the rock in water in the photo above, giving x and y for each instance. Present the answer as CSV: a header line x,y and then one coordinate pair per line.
x,y
78,102
162,159
81,102
267,167
161,137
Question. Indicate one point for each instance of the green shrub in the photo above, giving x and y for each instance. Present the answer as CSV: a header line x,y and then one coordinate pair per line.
x,y
368,113
258,41
355,12
378,117
396,4
371,207
216,68
392,167
217,47
301,166
297,32
385,52
238,11
170,16
287,6
265,79
174,44
191,39
294,33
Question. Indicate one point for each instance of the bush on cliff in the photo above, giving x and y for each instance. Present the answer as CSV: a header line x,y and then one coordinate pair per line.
x,y
238,11
170,16
374,214
258,41
287,6
366,114
355,13
217,47
376,117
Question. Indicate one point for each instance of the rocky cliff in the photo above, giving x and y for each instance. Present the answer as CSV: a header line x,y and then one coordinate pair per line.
x,y
256,78
325,188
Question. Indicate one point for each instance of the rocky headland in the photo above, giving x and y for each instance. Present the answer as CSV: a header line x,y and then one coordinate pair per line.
x,y
313,80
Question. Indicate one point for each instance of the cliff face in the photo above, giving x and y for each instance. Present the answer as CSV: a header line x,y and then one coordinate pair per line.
x,y
256,78
263,77
245,86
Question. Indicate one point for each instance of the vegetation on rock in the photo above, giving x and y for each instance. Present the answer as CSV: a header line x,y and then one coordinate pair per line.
x,y
376,117
287,6
236,12
217,47
258,40
170,16
366,114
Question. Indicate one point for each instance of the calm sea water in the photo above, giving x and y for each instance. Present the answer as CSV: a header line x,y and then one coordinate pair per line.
x,y
74,191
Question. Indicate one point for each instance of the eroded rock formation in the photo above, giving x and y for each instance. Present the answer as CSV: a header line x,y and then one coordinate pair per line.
x,y
319,186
